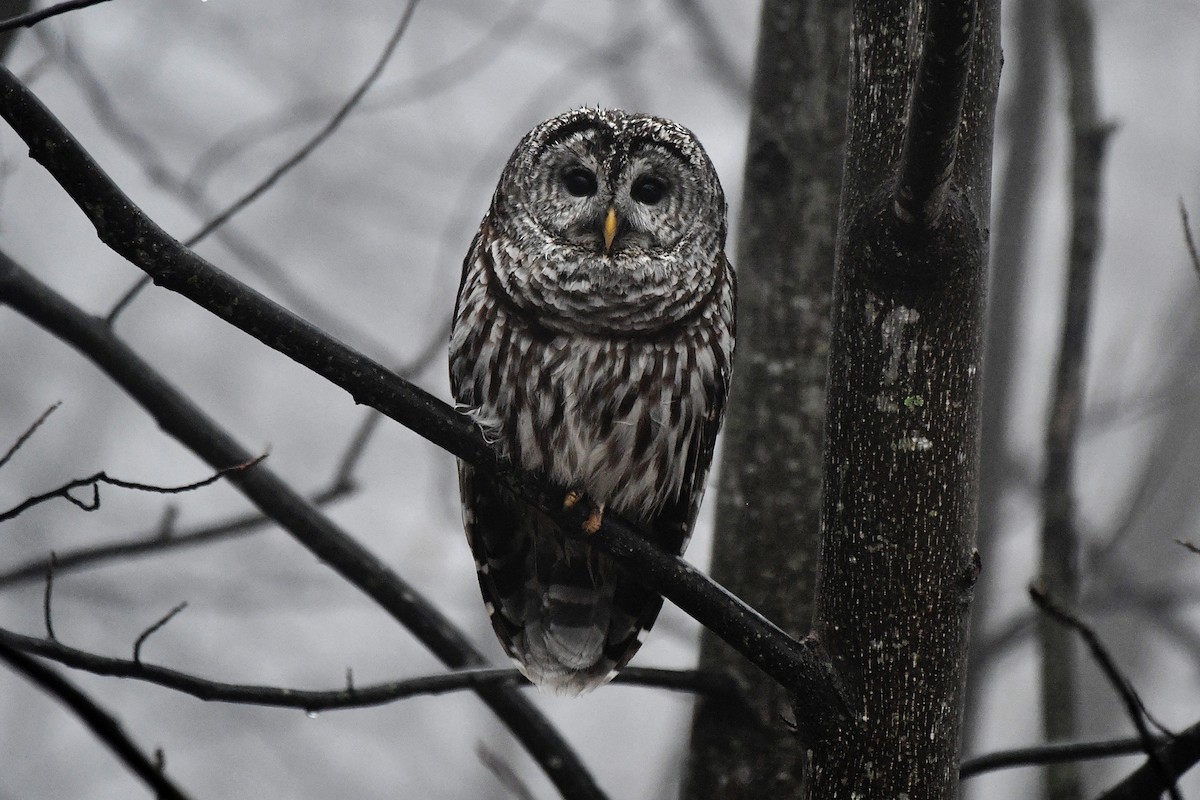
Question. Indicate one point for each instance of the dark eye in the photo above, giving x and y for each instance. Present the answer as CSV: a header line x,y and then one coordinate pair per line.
x,y
648,189
579,181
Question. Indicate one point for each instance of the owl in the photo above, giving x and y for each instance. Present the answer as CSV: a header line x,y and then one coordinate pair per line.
x,y
592,342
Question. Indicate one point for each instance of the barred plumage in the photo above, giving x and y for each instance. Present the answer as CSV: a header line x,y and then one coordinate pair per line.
x,y
592,341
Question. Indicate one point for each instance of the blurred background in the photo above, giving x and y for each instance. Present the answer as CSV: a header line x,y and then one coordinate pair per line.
x,y
187,104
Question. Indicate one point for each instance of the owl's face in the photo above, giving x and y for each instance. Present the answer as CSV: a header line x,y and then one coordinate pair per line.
x,y
602,214
585,172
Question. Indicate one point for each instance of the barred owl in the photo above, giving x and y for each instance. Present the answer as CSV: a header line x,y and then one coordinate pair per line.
x,y
592,342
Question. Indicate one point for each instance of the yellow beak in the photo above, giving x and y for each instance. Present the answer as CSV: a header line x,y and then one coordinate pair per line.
x,y
610,229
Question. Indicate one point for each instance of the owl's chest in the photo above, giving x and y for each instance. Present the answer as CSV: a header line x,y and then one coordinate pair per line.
x,y
615,417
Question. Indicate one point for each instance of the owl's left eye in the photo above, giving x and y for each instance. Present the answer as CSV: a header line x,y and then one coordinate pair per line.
x,y
648,189
579,181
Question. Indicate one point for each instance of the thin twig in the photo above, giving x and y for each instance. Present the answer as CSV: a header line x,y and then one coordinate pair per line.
x,y
1053,753
98,478
150,631
1134,707
152,542
24,437
47,595
1188,546
100,722
1187,236
34,17
320,136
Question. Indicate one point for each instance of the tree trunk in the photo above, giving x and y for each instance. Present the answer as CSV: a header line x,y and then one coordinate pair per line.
x,y
769,501
901,454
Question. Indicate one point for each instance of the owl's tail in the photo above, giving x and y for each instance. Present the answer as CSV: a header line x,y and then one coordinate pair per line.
x,y
583,618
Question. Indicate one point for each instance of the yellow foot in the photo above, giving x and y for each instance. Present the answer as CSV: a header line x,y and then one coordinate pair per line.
x,y
572,498
594,518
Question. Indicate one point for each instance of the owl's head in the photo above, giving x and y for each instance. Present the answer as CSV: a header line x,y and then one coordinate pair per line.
x,y
605,221
611,182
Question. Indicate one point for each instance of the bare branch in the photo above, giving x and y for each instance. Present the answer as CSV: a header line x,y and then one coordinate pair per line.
x,y
98,478
351,696
802,667
1187,237
150,631
1134,707
312,144
935,110
34,17
1188,546
1148,782
157,540
1054,753
99,721
24,437
47,595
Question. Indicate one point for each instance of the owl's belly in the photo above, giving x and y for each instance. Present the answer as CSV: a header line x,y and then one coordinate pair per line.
x,y
615,418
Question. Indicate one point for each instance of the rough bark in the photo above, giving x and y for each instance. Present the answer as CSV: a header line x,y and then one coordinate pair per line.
x,y
770,479
901,453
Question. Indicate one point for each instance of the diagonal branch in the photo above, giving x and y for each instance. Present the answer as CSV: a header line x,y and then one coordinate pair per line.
x,y
24,437
935,112
34,17
180,418
801,667
1148,782
99,721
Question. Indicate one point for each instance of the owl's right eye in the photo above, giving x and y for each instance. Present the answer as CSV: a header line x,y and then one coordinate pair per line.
x,y
579,181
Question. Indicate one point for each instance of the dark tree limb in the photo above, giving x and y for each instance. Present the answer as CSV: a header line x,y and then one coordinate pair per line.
x,y
1054,753
179,418
800,666
935,113
350,696
1148,781
106,728
1134,707
34,17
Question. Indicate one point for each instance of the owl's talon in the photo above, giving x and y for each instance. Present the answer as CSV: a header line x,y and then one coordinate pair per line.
x,y
594,519
572,498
